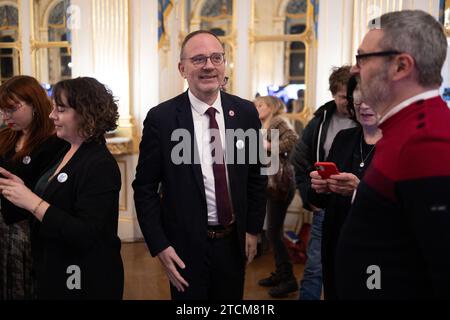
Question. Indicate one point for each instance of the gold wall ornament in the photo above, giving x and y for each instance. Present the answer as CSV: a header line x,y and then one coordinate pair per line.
x,y
119,145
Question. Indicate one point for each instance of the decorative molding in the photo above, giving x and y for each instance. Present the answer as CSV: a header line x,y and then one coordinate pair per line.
x,y
119,145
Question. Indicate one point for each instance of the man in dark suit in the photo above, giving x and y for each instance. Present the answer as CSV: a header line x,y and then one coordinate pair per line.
x,y
203,225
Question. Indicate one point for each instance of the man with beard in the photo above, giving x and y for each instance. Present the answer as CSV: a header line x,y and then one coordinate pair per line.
x,y
395,243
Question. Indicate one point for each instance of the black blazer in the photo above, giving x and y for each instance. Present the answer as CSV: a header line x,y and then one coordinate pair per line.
x,y
179,217
29,171
344,152
80,228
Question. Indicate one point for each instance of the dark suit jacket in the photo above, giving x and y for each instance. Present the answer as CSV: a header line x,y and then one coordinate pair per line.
x,y
80,228
179,217
29,172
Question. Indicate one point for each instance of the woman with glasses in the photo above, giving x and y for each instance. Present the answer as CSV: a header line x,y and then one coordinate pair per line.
x,y
27,146
352,151
76,249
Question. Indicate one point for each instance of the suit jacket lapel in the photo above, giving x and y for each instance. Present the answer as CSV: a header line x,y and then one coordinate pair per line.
x,y
231,118
185,121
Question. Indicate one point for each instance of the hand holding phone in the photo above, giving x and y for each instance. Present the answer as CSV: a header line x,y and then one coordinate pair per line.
x,y
326,169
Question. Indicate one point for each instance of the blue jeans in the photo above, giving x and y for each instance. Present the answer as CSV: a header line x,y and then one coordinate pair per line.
x,y
311,284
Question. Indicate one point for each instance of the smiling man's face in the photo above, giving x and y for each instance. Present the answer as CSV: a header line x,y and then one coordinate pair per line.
x,y
204,80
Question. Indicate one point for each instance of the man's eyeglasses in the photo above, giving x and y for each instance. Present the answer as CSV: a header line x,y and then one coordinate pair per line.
x,y
217,58
10,111
360,57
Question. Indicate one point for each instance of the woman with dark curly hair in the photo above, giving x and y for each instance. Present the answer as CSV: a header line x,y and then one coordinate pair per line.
x,y
76,249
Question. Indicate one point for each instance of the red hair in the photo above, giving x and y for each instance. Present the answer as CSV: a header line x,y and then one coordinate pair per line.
x,y
28,90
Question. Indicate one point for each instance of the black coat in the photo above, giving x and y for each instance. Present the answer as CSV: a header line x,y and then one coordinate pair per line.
x,y
309,149
80,228
344,152
29,171
179,217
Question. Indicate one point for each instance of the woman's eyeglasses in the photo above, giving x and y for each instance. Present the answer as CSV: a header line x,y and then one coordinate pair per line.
x,y
10,111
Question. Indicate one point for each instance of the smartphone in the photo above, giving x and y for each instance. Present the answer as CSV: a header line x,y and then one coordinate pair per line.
x,y
326,169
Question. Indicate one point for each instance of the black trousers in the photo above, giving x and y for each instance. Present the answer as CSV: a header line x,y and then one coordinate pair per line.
x,y
221,274
276,213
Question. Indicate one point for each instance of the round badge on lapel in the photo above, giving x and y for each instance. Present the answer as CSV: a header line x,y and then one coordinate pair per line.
x,y
240,144
26,160
231,113
62,177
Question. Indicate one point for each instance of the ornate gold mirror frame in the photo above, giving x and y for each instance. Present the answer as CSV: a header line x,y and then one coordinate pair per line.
x,y
36,43
308,39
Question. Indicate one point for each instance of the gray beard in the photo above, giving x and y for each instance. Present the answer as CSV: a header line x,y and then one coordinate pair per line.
x,y
376,93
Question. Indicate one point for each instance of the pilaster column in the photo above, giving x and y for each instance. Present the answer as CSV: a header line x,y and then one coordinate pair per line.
x,y
25,36
242,84
111,48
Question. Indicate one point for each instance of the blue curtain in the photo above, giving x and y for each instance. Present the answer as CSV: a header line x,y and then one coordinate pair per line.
x,y
164,7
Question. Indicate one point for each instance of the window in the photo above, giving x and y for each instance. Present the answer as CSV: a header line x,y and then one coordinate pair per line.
x,y
9,53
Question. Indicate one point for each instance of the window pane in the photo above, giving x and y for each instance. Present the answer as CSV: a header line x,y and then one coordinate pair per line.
x,y
9,22
9,63
54,64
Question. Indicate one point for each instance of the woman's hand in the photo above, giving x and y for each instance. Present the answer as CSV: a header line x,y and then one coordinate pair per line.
x,y
343,183
318,184
14,190
8,175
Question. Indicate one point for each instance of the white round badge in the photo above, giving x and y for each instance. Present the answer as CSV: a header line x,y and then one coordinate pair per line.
x,y
62,177
240,144
26,160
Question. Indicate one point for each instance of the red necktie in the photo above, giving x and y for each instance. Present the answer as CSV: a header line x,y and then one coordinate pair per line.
x,y
223,204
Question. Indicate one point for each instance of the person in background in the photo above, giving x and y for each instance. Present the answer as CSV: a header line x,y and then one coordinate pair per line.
x,y
299,107
75,203
270,110
312,147
27,145
299,104
290,106
352,151
395,243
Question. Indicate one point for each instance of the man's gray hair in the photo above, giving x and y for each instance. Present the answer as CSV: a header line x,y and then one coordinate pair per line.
x,y
419,34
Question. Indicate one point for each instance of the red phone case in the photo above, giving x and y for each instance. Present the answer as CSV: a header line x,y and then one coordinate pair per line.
x,y
326,169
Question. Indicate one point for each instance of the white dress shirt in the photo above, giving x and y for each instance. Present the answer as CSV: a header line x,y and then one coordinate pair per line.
x,y
203,138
